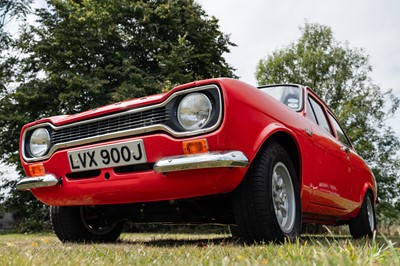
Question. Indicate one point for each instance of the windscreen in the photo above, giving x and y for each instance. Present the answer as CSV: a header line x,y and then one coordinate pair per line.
x,y
288,95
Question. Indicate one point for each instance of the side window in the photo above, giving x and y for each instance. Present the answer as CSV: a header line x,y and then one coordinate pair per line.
x,y
340,132
320,115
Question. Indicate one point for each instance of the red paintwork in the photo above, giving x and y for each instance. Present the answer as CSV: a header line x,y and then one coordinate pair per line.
x,y
332,181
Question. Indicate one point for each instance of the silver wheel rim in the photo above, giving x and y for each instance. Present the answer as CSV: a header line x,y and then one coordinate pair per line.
x,y
283,197
90,222
370,213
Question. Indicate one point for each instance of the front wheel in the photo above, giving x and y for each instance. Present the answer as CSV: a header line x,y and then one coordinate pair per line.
x,y
267,203
84,224
364,224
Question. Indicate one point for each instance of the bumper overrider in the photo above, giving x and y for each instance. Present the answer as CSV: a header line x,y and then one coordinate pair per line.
x,y
216,159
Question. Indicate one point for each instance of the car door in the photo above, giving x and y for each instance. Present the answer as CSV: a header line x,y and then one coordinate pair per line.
x,y
332,168
357,166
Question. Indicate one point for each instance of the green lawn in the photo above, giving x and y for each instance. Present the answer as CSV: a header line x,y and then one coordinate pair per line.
x,y
195,249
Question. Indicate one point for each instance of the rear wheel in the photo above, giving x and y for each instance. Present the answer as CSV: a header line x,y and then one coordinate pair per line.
x,y
364,224
267,202
84,224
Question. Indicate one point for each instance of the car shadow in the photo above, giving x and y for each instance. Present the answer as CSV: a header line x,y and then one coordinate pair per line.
x,y
172,242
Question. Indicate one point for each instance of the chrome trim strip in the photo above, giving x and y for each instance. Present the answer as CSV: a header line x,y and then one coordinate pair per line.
x,y
124,133
28,183
202,161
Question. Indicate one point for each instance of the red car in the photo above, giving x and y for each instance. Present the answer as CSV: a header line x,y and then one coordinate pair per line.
x,y
262,160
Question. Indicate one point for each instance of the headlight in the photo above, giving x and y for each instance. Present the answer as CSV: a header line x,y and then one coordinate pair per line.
x,y
39,142
194,111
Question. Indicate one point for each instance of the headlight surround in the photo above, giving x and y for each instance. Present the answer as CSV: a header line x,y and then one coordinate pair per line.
x,y
194,111
39,142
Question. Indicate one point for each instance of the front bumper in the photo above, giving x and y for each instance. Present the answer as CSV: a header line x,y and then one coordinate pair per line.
x,y
202,161
169,164
28,183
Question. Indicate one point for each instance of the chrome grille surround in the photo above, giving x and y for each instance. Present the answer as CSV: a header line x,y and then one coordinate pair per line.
x,y
151,118
111,125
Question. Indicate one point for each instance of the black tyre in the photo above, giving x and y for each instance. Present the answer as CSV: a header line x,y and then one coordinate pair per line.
x,y
267,204
364,224
84,224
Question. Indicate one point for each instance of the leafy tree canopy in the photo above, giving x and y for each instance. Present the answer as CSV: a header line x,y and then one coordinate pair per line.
x,y
10,10
340,75
96,51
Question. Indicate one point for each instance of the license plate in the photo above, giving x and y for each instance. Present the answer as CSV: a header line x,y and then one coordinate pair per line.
x,y
113,155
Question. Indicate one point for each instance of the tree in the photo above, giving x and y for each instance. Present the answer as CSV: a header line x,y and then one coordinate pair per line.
x,y
340,75
10,10
82,54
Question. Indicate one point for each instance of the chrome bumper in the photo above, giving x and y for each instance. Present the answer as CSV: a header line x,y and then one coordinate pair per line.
x,y
165,165
201,161
27,183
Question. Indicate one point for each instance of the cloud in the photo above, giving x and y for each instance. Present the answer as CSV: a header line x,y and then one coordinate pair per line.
x,y
258,27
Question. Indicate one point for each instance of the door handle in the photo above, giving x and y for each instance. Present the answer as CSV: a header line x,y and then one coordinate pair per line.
x,y
309,132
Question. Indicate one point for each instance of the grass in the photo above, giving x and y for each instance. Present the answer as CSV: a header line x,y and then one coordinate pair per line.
x,y
196,249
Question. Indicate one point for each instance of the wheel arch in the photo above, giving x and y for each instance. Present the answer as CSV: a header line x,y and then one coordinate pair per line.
x,y
288,141
368,188
363,224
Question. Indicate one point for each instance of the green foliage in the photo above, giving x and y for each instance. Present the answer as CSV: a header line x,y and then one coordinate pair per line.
x,y
340,75
10,10
25,207
388,214
30,214
94,52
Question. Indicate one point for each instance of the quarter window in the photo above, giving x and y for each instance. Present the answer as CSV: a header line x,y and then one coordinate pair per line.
x,y
341,135
320,115
310,112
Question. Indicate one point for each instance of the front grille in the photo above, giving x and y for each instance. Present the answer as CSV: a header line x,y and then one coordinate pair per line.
x,y
111,125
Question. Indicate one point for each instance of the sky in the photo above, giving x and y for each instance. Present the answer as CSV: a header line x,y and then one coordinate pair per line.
x,y
259,27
